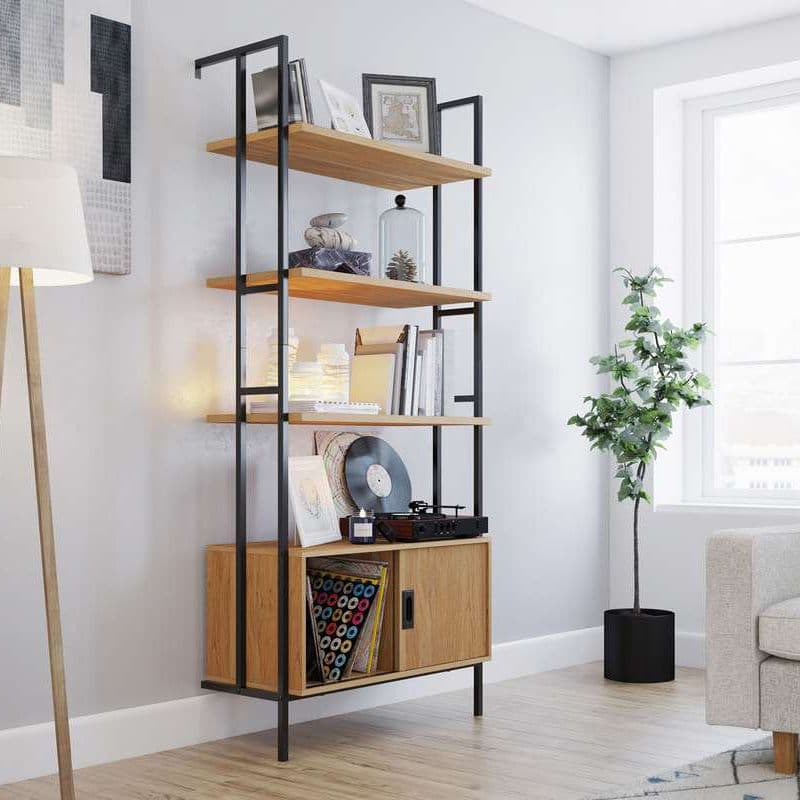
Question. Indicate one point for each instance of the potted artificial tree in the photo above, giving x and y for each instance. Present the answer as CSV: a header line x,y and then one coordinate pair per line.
x,y
653,380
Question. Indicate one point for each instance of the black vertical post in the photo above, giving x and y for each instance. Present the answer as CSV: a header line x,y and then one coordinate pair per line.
x,y
477,337
283,396
477,334
241,374
477,355
437,324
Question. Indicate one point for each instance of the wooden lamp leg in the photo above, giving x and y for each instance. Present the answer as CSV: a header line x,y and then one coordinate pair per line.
x,y
785,745
46,538
5,282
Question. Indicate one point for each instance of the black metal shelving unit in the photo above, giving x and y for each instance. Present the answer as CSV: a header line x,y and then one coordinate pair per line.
x,y
280,288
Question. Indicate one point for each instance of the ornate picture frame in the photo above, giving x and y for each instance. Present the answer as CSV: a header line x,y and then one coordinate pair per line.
x,y
402,110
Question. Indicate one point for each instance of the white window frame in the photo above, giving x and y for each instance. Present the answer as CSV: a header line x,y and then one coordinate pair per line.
x,y
700,276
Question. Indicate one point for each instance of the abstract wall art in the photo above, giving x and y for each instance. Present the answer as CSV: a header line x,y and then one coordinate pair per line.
x,y
65,94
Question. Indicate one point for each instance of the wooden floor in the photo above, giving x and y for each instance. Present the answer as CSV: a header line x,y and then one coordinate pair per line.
x,y
562,734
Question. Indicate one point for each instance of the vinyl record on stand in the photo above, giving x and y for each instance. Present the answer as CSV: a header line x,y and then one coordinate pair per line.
x,y
376,476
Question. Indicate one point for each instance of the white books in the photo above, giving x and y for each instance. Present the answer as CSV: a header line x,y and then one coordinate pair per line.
x,y
372,380
417,384
431,347
448,362
319,407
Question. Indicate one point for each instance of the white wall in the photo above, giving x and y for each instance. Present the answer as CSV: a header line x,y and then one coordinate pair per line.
x,y
673,541
141,484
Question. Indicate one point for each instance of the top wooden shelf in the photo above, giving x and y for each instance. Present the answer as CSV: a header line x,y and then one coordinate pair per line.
x,y
324,151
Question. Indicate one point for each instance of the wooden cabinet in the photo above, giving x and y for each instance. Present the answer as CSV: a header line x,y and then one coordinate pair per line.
x,y
438,612
444,606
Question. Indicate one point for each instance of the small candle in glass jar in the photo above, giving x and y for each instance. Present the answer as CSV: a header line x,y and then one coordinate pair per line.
x,y
362,528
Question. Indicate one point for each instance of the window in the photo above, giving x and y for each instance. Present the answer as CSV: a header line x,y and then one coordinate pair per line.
x,y
745,243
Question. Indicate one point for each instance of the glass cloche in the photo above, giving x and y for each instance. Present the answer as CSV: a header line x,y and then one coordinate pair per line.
x,y
402,243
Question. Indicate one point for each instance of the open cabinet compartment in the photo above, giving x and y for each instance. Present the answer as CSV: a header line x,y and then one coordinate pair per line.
x,y
437,614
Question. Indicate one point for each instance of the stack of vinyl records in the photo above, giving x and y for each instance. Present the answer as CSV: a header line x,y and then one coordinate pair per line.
x,y
346,603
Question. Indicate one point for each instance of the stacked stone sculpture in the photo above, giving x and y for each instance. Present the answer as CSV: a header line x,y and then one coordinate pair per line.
x,y
331,248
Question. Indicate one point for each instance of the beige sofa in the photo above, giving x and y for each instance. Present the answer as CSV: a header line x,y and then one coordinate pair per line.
x,y
753,634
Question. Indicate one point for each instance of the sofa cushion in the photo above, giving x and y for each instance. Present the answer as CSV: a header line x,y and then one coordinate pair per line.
x,y
779,629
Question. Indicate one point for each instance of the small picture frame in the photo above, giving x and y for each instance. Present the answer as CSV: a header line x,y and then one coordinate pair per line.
x,y
346,114
265,94
312,502
402,110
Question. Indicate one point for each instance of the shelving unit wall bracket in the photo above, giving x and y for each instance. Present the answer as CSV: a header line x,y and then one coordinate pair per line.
x,y
369,163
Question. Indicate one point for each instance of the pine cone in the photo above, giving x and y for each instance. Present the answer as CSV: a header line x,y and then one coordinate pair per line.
x,y
402,266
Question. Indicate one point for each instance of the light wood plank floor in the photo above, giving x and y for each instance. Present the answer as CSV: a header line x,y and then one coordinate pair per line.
x,y
557,735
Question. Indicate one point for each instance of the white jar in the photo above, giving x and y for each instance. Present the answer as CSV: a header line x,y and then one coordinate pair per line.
x,y
335,372
305,381
272,354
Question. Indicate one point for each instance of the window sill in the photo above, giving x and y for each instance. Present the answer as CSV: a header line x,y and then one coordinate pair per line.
x,y
726,507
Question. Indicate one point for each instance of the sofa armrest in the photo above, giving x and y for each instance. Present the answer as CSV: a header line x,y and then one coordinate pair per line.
x,y
746,571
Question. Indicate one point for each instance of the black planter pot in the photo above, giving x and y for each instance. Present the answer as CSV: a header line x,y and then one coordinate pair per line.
x,y
639,648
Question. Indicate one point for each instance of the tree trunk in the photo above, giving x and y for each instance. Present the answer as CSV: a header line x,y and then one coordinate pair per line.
x,y
636,602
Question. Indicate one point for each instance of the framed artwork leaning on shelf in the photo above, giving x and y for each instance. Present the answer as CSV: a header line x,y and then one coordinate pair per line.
x,y
402,110
346,115
312,502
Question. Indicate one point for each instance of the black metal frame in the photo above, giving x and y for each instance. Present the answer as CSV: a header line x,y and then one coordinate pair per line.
x,y
239,56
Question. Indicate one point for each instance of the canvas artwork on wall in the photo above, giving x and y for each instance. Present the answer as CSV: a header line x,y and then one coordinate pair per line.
x,y
65,94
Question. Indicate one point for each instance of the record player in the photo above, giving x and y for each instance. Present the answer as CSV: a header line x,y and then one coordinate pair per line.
x,y
378,481
425,523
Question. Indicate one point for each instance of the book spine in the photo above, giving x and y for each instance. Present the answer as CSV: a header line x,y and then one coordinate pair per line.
x,y
397,390
448,373
410,361
415,397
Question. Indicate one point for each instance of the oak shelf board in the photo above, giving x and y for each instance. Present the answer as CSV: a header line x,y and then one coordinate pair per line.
x,y
384,677
344,548
333,154
350,420
339,287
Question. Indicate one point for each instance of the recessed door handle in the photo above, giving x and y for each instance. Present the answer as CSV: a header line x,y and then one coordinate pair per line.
x,y
407,609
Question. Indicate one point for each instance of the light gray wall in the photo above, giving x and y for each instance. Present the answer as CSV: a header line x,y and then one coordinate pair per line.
x,y
673,542
141,484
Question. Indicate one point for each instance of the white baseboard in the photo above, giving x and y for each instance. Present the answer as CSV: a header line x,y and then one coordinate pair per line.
x,y
690,649
29,752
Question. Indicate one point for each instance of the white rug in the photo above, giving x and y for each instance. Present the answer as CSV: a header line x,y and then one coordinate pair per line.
x,y
746,773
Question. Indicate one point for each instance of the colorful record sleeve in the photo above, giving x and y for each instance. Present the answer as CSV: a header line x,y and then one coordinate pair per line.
x,y
337,639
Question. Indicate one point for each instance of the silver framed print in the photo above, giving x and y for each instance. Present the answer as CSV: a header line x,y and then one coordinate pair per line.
x,y
402,110
265,94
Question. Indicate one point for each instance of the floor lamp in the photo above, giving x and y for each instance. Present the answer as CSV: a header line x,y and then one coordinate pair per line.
x,y
42,243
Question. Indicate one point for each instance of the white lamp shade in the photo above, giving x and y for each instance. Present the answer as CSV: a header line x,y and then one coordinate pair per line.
x,y
41,222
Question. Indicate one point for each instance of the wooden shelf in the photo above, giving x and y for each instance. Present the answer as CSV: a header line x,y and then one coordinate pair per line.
x,y
382,677
323,151
344,548
339,287
350,420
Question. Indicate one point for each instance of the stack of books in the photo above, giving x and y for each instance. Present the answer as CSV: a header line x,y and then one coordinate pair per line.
x,y
317,406
402,369
346,604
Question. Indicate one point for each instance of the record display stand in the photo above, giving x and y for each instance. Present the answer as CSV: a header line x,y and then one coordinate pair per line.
x,y
256,598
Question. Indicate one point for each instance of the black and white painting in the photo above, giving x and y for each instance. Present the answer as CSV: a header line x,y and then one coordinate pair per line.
x,y
65,94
